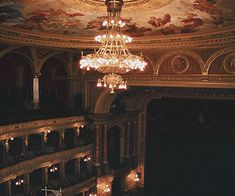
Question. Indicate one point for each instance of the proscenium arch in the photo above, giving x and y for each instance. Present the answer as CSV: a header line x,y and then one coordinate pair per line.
x,y
175,52
104,101
216,55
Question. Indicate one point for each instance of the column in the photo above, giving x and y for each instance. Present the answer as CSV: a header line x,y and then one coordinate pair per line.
x,y
26,183
105,147
97,150
77,167
86,94
62,173
45,176
36,90
75,136
8,188
89,164
42,142
20,76
25,146
5,151
127,156
61,139
134,142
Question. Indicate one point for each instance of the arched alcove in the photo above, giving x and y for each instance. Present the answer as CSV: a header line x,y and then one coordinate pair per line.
x,y
15,82
53,83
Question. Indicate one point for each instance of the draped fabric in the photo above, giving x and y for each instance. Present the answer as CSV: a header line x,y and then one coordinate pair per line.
x,y
190,147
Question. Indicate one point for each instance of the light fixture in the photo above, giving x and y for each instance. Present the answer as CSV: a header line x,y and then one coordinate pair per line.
x,y
107,189
86,159
19,182
136,179
113,57
53,169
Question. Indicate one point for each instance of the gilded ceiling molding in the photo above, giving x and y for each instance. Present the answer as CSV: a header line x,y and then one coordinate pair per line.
x,y
207,40
216,55
179,52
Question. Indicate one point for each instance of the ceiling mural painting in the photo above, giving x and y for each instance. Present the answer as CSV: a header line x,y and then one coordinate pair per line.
x,y
143,17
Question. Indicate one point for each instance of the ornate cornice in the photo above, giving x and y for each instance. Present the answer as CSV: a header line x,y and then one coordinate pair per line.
x,y
193,80
38,126
219,39
43,161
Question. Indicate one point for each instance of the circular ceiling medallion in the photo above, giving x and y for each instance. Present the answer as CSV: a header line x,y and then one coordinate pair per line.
x,y
229,63
179,64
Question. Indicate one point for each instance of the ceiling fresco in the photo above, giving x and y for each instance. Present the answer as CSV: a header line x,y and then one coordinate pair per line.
x,y
143,17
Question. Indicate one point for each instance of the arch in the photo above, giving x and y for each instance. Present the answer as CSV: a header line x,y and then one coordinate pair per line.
x,y
54,90
8,50
26,57
104,101
174,52
147,99
16,73
151,60
216,55
51,56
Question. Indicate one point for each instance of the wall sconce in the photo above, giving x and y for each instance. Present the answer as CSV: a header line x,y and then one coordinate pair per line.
x,y
53,169
19,182
86,158
78,131
45,135
92,194
6,144
26,140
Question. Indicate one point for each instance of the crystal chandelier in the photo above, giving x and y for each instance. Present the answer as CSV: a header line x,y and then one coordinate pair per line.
x,y
113,57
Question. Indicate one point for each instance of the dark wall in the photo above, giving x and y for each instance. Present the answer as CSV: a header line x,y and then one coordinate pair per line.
x,y
190,146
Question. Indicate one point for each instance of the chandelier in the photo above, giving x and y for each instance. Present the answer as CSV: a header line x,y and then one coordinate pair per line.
x,y
113,57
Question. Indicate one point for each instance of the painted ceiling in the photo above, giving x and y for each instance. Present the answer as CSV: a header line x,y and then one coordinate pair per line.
x,y
143,17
